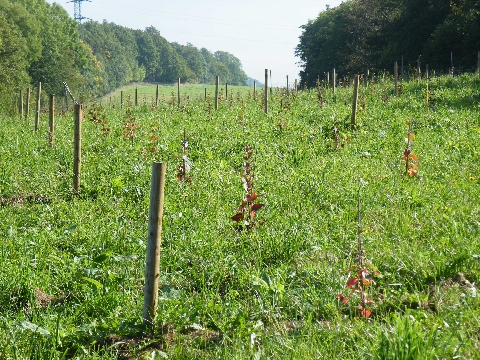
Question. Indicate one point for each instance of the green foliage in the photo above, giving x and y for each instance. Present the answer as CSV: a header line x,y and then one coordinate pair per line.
x,y
373,34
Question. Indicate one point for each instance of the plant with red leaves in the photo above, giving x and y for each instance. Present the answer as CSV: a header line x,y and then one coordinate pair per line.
x,y
361,277
245,214
186,162
130,125
410,159
97,115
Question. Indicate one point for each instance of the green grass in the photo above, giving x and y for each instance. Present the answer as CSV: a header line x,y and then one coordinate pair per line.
x,y
72,267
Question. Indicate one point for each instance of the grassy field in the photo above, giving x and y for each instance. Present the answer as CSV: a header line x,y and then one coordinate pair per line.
x,y
146,93
72,265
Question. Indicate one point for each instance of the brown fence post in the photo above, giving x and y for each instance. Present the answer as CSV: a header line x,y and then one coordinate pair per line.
x,y
334,79
156,97
395,74
178,92
27,110
266,93
51,120
355,99
37,112
152,269
20,104
217,80
77,147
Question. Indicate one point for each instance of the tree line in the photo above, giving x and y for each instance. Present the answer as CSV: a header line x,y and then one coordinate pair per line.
x,y
372,34
39,42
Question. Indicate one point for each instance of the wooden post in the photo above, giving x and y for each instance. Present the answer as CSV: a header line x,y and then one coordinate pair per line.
x,y
28,102
334,81
226,91
427,93
20,104
356,79
271,85
121,98
178,92
328,79
255,89
152,270
77,146
395,74
136,96
217,79
156,97
266,92
205,94
37,112
288,90
478,64
51,120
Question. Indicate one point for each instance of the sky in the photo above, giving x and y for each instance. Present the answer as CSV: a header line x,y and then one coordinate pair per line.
x,y
262,34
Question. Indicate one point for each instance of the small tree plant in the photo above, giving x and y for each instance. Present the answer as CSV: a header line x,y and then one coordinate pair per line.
x,y
409,158
360,276
245,214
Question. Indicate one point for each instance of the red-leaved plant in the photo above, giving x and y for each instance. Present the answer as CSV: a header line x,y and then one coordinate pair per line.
x,y
245,214
360,278
182,175
410,159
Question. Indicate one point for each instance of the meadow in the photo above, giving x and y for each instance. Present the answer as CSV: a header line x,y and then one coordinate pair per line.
x,y
72,264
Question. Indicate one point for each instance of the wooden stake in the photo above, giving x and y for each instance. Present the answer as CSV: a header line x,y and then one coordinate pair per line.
x,y
37,112
266,92
255,90
156,97
288,90
136,96
51,120
28,102
178,92
356,79
395,72
20,104
226,91
152,270
217,79
478,64
121,98
334,81
77,146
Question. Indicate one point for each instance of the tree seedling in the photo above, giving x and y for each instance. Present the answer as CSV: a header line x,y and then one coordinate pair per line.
x,y
186,162
130,125
97,115
245,214
360,276
410,159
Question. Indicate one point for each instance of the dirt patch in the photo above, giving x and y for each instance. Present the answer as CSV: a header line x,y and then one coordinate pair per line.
x,y
23,199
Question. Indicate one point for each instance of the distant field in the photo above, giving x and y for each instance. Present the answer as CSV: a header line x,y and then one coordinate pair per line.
x,y
147,92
